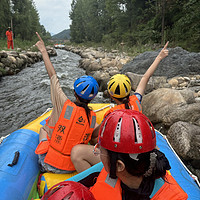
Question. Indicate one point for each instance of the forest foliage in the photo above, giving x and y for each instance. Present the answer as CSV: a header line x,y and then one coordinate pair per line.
x,y
136,22
22,16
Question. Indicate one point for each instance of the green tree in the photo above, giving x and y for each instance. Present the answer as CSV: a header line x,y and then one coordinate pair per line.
x,y
185,29
25,19
77,28
87,20
137,22
5,17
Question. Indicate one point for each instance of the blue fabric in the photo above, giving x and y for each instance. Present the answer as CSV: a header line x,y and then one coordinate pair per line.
x,y
43,122
139,96
16,181
96,168
158,184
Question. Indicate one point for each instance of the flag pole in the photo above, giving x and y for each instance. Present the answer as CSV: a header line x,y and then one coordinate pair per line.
x,y
11,24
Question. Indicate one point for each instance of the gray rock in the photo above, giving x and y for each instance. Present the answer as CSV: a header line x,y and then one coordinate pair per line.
x,y
13,53
102,78
154,82
185,139
3,54
168,106
181,112
6,61
178,63
1,65
94,66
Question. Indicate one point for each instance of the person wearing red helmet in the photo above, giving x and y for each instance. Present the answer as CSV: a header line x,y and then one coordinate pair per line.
x,y
69,124
68,190
133,167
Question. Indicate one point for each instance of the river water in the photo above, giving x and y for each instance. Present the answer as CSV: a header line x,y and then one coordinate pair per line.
x,y
26,95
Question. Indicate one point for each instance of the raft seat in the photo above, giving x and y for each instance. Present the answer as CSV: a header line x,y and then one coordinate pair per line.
x,y
47,180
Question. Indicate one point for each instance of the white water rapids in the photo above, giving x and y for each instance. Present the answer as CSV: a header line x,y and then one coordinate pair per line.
x,y
26,95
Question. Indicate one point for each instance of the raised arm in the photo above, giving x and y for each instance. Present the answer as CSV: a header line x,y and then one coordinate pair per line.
x,y
41,47
143,82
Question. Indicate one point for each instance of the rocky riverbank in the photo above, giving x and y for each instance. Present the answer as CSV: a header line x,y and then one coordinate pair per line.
x,y
12,62
172,99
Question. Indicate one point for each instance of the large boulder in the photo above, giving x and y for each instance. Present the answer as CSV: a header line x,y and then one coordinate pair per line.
x,y
154,82
166,106
185,139
93,66
179,62
102,78
6,61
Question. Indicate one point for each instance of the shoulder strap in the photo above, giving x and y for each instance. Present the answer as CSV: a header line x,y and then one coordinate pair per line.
x,y
68,112
47,123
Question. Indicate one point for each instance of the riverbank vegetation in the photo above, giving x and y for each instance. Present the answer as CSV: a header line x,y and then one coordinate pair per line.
x,y
131,26
23,18
119,47
136,22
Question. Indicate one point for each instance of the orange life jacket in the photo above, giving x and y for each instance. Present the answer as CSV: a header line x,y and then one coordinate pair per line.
x,y
134,102
9,35
107,188
71,128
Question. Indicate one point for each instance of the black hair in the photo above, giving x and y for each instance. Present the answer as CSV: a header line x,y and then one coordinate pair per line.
x,y
125,100
113,157
84,104
141,166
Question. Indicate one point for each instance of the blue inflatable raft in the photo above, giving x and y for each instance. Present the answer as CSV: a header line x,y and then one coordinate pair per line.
x,y
19,168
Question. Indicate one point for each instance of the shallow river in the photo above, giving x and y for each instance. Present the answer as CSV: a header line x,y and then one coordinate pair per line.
x,y
26,95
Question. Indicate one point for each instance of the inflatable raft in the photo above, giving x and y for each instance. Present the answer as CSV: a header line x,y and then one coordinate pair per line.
x,y
19,169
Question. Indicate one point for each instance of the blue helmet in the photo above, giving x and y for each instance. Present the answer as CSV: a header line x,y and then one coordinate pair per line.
x,y
86,87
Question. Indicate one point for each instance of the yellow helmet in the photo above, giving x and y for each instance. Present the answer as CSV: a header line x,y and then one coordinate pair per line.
x,y
119,86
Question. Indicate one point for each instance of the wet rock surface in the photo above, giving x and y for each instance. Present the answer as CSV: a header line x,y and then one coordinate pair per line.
x,y
12,62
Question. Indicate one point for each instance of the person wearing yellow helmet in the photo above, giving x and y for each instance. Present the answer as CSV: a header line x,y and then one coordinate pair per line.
x,y
119,88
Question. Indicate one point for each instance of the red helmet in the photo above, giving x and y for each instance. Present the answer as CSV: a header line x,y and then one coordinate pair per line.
x,y
69,190
127,131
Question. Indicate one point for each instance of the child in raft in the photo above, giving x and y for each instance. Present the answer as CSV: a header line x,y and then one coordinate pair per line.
x,y
133,167
69,124
119,88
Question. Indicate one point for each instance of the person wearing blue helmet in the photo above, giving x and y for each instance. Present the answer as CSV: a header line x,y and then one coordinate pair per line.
x,y
69,124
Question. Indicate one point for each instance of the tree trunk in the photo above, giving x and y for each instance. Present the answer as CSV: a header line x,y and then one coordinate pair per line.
x,y
163,23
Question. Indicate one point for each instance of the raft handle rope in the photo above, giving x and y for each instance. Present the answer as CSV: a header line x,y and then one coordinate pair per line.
x,y
100,109
47,110
190,173
3,137
15,159
108,106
